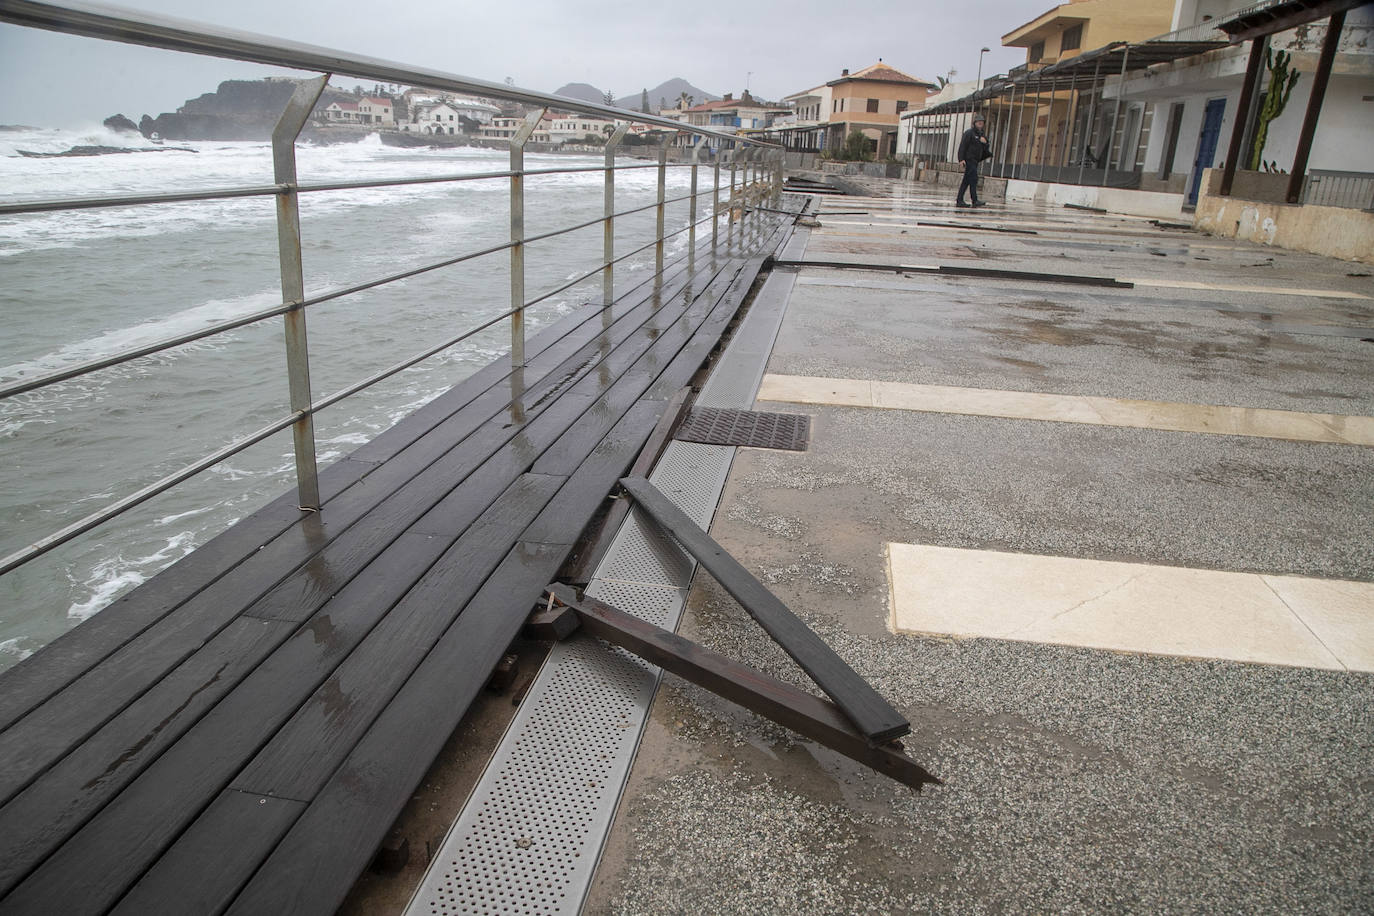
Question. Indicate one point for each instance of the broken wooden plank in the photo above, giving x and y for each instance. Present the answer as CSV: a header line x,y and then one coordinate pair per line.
x,y
807,715
597,542
871,714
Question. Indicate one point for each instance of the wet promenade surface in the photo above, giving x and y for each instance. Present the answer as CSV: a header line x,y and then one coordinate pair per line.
x,y
1108,549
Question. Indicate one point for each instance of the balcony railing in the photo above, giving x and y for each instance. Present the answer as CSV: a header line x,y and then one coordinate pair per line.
x,y
744,170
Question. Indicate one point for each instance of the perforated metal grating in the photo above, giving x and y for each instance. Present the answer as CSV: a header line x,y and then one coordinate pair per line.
x,y
528,840
751,428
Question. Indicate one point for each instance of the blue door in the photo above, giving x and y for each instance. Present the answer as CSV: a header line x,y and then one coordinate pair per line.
x,y
1206,145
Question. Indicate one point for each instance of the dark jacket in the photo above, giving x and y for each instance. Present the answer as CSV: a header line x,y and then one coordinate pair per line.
x,y
972,148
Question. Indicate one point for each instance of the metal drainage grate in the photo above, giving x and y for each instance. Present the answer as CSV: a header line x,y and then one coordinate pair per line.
x,y
752,428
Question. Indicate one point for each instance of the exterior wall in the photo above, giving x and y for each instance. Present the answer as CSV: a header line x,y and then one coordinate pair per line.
x,y
852,99
1107,21
1336,232
1117,200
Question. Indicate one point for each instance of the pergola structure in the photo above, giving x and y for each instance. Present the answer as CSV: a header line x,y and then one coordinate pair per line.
x,y
1255,24
1012,105
1008,101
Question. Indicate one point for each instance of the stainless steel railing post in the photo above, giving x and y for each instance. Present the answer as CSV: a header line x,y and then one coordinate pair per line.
x,y
734,201
692,208
660,211
608,228
517,236
715,201
284,135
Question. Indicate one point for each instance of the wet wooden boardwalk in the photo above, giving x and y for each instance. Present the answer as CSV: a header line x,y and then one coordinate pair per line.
x,y
238,734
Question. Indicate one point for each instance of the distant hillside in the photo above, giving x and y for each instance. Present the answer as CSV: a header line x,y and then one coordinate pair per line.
x,y
668,92
584,91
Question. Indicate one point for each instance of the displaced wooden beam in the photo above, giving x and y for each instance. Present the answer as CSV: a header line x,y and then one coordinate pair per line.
x,y
807,715
871,714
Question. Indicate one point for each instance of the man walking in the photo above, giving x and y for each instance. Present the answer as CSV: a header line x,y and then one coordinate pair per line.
x,y
973,149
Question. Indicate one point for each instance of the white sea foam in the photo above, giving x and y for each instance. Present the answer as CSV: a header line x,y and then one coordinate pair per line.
x,y
119,339
115,575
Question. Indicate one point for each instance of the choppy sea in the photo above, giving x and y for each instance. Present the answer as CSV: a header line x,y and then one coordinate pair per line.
x,y
78,285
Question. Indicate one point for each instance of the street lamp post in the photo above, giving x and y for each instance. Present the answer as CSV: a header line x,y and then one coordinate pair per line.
x,y
980,67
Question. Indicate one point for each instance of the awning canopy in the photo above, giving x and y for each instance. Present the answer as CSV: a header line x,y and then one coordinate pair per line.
x,y
1083,71
1281,15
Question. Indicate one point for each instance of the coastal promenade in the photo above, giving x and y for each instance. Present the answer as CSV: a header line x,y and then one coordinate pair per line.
x,y
238,733
1107,548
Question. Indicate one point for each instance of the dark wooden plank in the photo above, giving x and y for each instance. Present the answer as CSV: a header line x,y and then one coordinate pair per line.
x,y
302,755
871,714
44,814
593,547
301,758
304,577
48,671
567,513
113,849
702,304
312,869
798,710
627,355
41,675
202,880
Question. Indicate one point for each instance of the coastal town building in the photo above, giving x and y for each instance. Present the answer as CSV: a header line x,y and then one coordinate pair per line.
x,y
1071,28
870,101
731,115
504,127
341,112
1195,101
434,118
1253,120
569,127
376,112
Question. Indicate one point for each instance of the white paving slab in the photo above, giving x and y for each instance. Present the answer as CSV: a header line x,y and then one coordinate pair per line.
x,y
1030,405
1132,607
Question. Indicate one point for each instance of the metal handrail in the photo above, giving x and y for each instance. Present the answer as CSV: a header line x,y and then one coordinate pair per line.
x,y
89,203
99,21
124,356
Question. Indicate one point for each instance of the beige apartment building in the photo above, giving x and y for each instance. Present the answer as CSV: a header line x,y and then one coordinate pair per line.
x,y
870,100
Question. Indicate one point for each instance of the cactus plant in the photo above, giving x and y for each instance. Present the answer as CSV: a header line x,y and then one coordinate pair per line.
x,y
1281,82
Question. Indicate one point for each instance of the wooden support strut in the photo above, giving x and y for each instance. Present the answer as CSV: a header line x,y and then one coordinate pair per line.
x,y
871,714
809,716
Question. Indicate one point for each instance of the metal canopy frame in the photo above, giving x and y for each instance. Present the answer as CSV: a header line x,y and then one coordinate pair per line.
x,y
1256,24
1271,16
1081,72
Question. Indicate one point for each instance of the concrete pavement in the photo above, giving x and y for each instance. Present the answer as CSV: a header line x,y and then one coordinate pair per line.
x,y
1078,779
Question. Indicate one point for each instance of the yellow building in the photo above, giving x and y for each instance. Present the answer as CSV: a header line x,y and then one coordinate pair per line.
x,y
1080,25
1062,32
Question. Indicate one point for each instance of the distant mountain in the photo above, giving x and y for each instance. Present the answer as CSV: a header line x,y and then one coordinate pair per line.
x,y
584,91
668,92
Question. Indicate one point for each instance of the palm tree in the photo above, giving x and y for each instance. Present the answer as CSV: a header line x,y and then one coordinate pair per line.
x,y
685,101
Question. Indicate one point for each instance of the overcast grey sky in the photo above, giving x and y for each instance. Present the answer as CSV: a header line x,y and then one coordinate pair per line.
x,y
776,48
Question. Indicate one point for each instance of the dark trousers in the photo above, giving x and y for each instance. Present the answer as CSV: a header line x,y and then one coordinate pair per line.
x,y
970,181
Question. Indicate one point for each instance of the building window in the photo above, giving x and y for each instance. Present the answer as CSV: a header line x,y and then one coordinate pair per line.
x,y
901,105
872,106
1072,39
1037,52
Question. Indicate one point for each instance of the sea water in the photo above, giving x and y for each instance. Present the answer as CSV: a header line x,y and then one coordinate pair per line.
x,y
78,285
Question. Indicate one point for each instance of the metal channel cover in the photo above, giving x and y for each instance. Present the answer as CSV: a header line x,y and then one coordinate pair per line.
x,y
751,428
